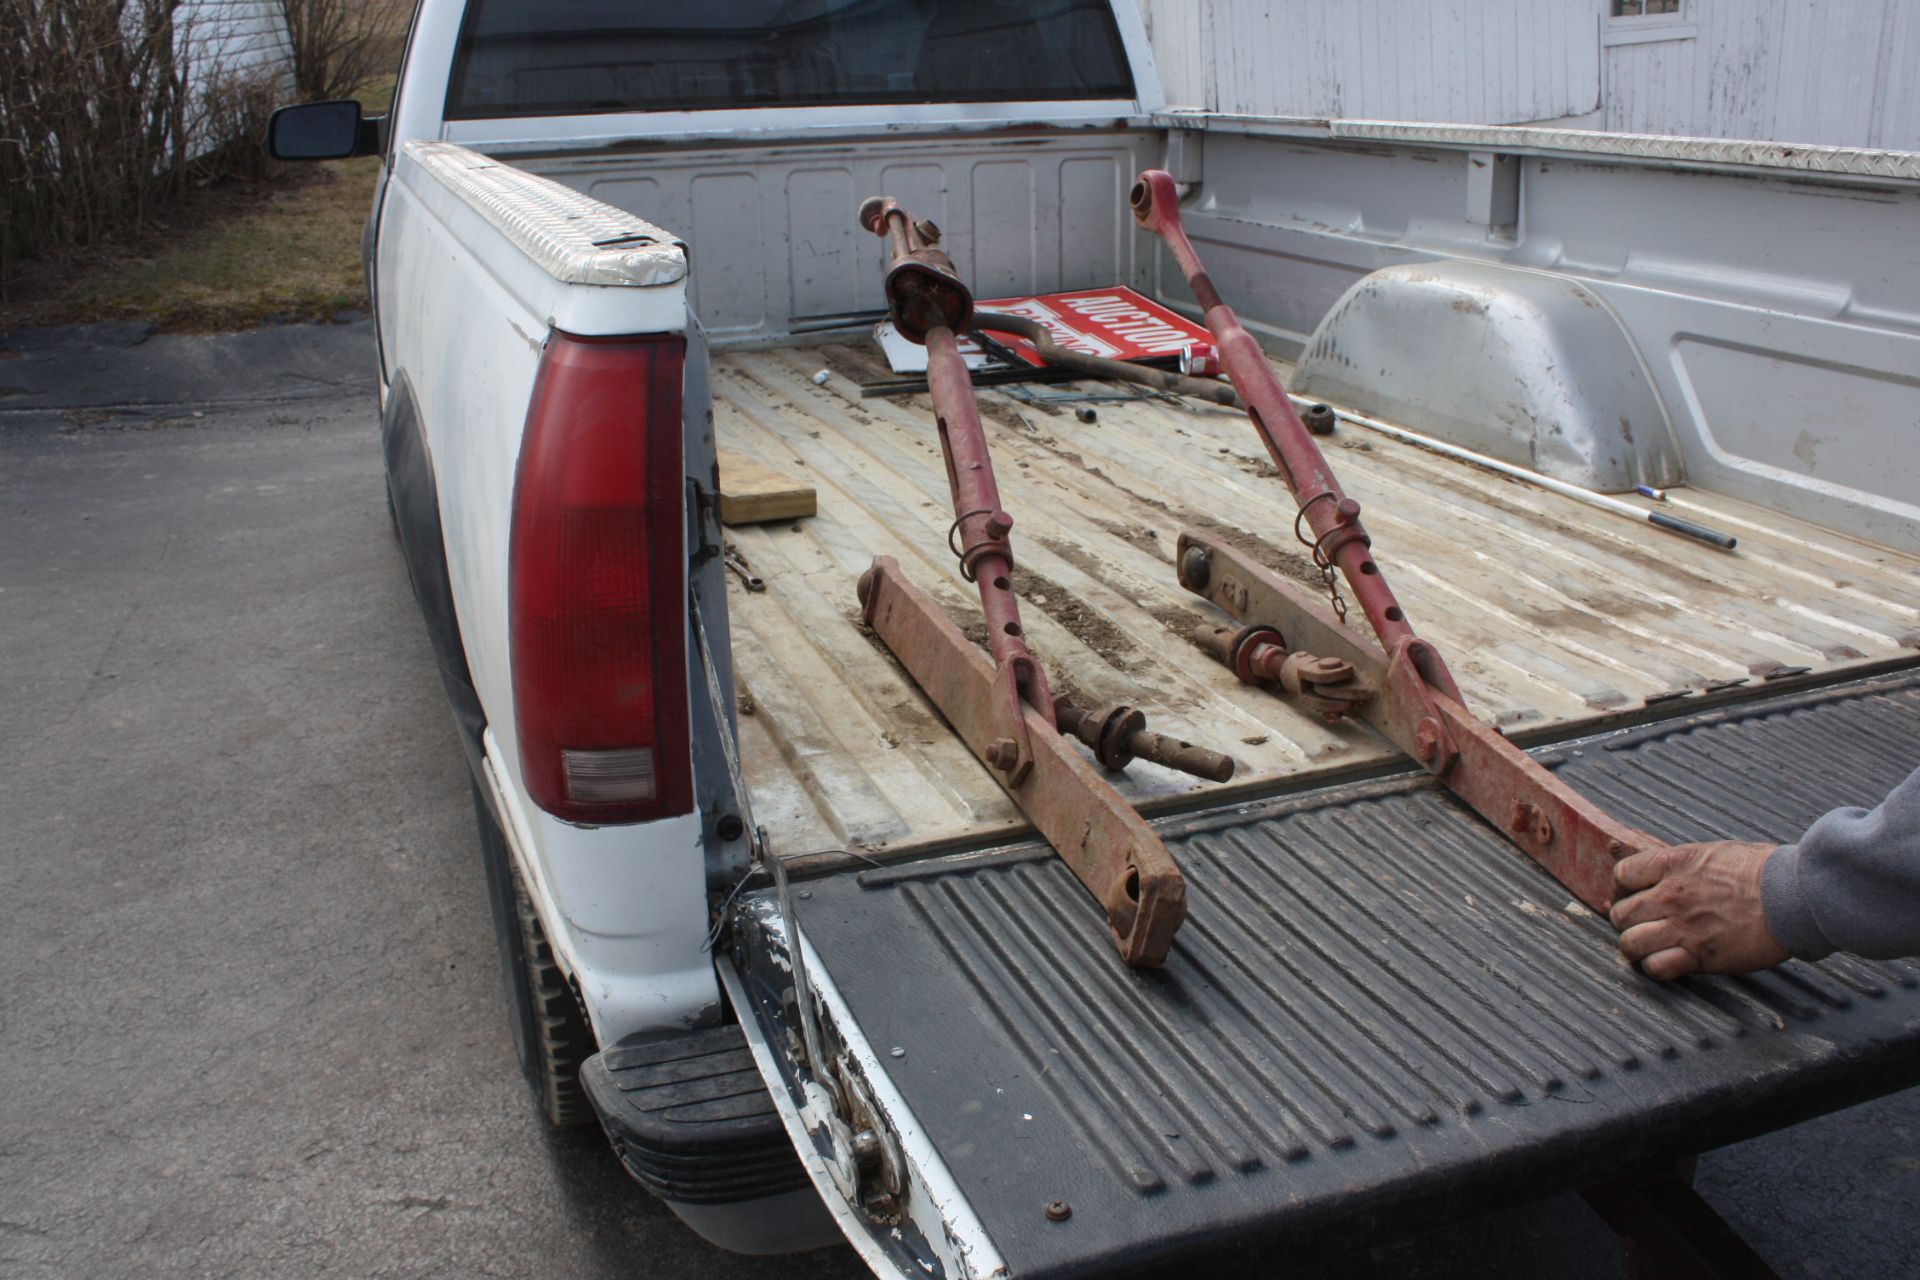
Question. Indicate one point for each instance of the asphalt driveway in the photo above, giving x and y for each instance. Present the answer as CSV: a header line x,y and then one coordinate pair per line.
x,y
249,1022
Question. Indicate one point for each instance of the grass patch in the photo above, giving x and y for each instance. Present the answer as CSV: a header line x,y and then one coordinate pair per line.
x,y
286,249
230,256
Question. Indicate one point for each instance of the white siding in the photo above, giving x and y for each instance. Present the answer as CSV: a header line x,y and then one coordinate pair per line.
x,y
1471,62
222,42
233,37
1897,87
1842,72
1182,50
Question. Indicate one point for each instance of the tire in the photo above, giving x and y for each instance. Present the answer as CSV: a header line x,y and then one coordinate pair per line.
x,y
550,1034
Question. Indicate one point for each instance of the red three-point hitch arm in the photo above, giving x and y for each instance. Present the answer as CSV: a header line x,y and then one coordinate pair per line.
x,y
932,307
1399,685
1003,708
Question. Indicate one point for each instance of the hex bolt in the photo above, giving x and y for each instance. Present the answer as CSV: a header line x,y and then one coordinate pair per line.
x,y
1002,753
1058,1211
1426,739
929,230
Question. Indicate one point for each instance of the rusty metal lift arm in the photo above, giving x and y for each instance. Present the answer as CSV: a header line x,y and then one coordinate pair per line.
x,y
1003,708
1397,683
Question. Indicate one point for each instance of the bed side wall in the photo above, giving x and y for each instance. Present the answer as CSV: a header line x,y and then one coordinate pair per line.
x,y
1777,316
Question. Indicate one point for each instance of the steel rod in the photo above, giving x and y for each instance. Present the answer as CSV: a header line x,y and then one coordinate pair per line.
x,y
1605,502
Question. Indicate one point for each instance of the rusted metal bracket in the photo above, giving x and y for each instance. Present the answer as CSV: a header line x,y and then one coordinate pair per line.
x,y
1095,831
1398,695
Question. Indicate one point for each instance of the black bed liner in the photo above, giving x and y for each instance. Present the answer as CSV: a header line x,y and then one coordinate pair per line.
x,y
1377,1016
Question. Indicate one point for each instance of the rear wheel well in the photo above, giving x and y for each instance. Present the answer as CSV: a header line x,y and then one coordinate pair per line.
x,y
413,504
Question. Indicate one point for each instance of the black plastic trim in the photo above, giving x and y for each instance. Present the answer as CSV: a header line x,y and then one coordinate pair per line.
x,y
691,1118
416,513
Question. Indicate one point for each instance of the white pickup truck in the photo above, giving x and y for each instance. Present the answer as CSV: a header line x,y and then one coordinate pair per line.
x,y
611,239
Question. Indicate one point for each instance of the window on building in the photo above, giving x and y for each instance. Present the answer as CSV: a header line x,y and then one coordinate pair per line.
x,y
1644,8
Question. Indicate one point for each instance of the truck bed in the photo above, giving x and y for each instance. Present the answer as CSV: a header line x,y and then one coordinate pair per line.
x,y
1552,614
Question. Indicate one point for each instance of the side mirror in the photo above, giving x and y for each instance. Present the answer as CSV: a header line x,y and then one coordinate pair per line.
x,y
324,131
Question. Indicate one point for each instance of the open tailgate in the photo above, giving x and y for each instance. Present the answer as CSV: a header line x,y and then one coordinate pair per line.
x,y
1379,1015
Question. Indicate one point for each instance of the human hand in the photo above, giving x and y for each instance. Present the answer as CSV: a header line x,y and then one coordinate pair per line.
x,y
1694,908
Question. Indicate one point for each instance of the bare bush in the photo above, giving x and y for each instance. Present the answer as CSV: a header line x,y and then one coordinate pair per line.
x,y
103,121
230,117
339,45
94,116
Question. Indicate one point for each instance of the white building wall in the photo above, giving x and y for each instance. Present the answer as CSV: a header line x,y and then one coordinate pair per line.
x,y
220,43
1843,72
233,37
1466,62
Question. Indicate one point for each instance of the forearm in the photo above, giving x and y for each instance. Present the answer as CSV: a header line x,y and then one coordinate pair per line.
x,y
1852,883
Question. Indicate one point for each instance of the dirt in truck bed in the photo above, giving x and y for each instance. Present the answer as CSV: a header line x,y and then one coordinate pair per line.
x,y
1550,613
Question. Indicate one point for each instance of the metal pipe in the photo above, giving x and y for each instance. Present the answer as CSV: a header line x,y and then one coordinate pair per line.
x,y
931,303
986,555
1606,502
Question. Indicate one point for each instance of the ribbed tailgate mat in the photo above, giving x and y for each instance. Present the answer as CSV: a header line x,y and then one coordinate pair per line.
x,y
1377,1012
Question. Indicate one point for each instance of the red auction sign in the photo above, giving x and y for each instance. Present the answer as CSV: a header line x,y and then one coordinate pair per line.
x,y
1115,322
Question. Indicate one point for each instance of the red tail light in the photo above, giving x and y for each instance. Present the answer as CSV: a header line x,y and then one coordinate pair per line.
x,y
596,602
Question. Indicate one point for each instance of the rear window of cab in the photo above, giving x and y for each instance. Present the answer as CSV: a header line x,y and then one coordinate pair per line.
x,y
536,57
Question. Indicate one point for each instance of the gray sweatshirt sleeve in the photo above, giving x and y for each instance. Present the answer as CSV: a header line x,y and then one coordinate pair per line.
x,y
1852,883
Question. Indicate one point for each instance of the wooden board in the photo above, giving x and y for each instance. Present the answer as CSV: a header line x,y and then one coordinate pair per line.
x,y
751,492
